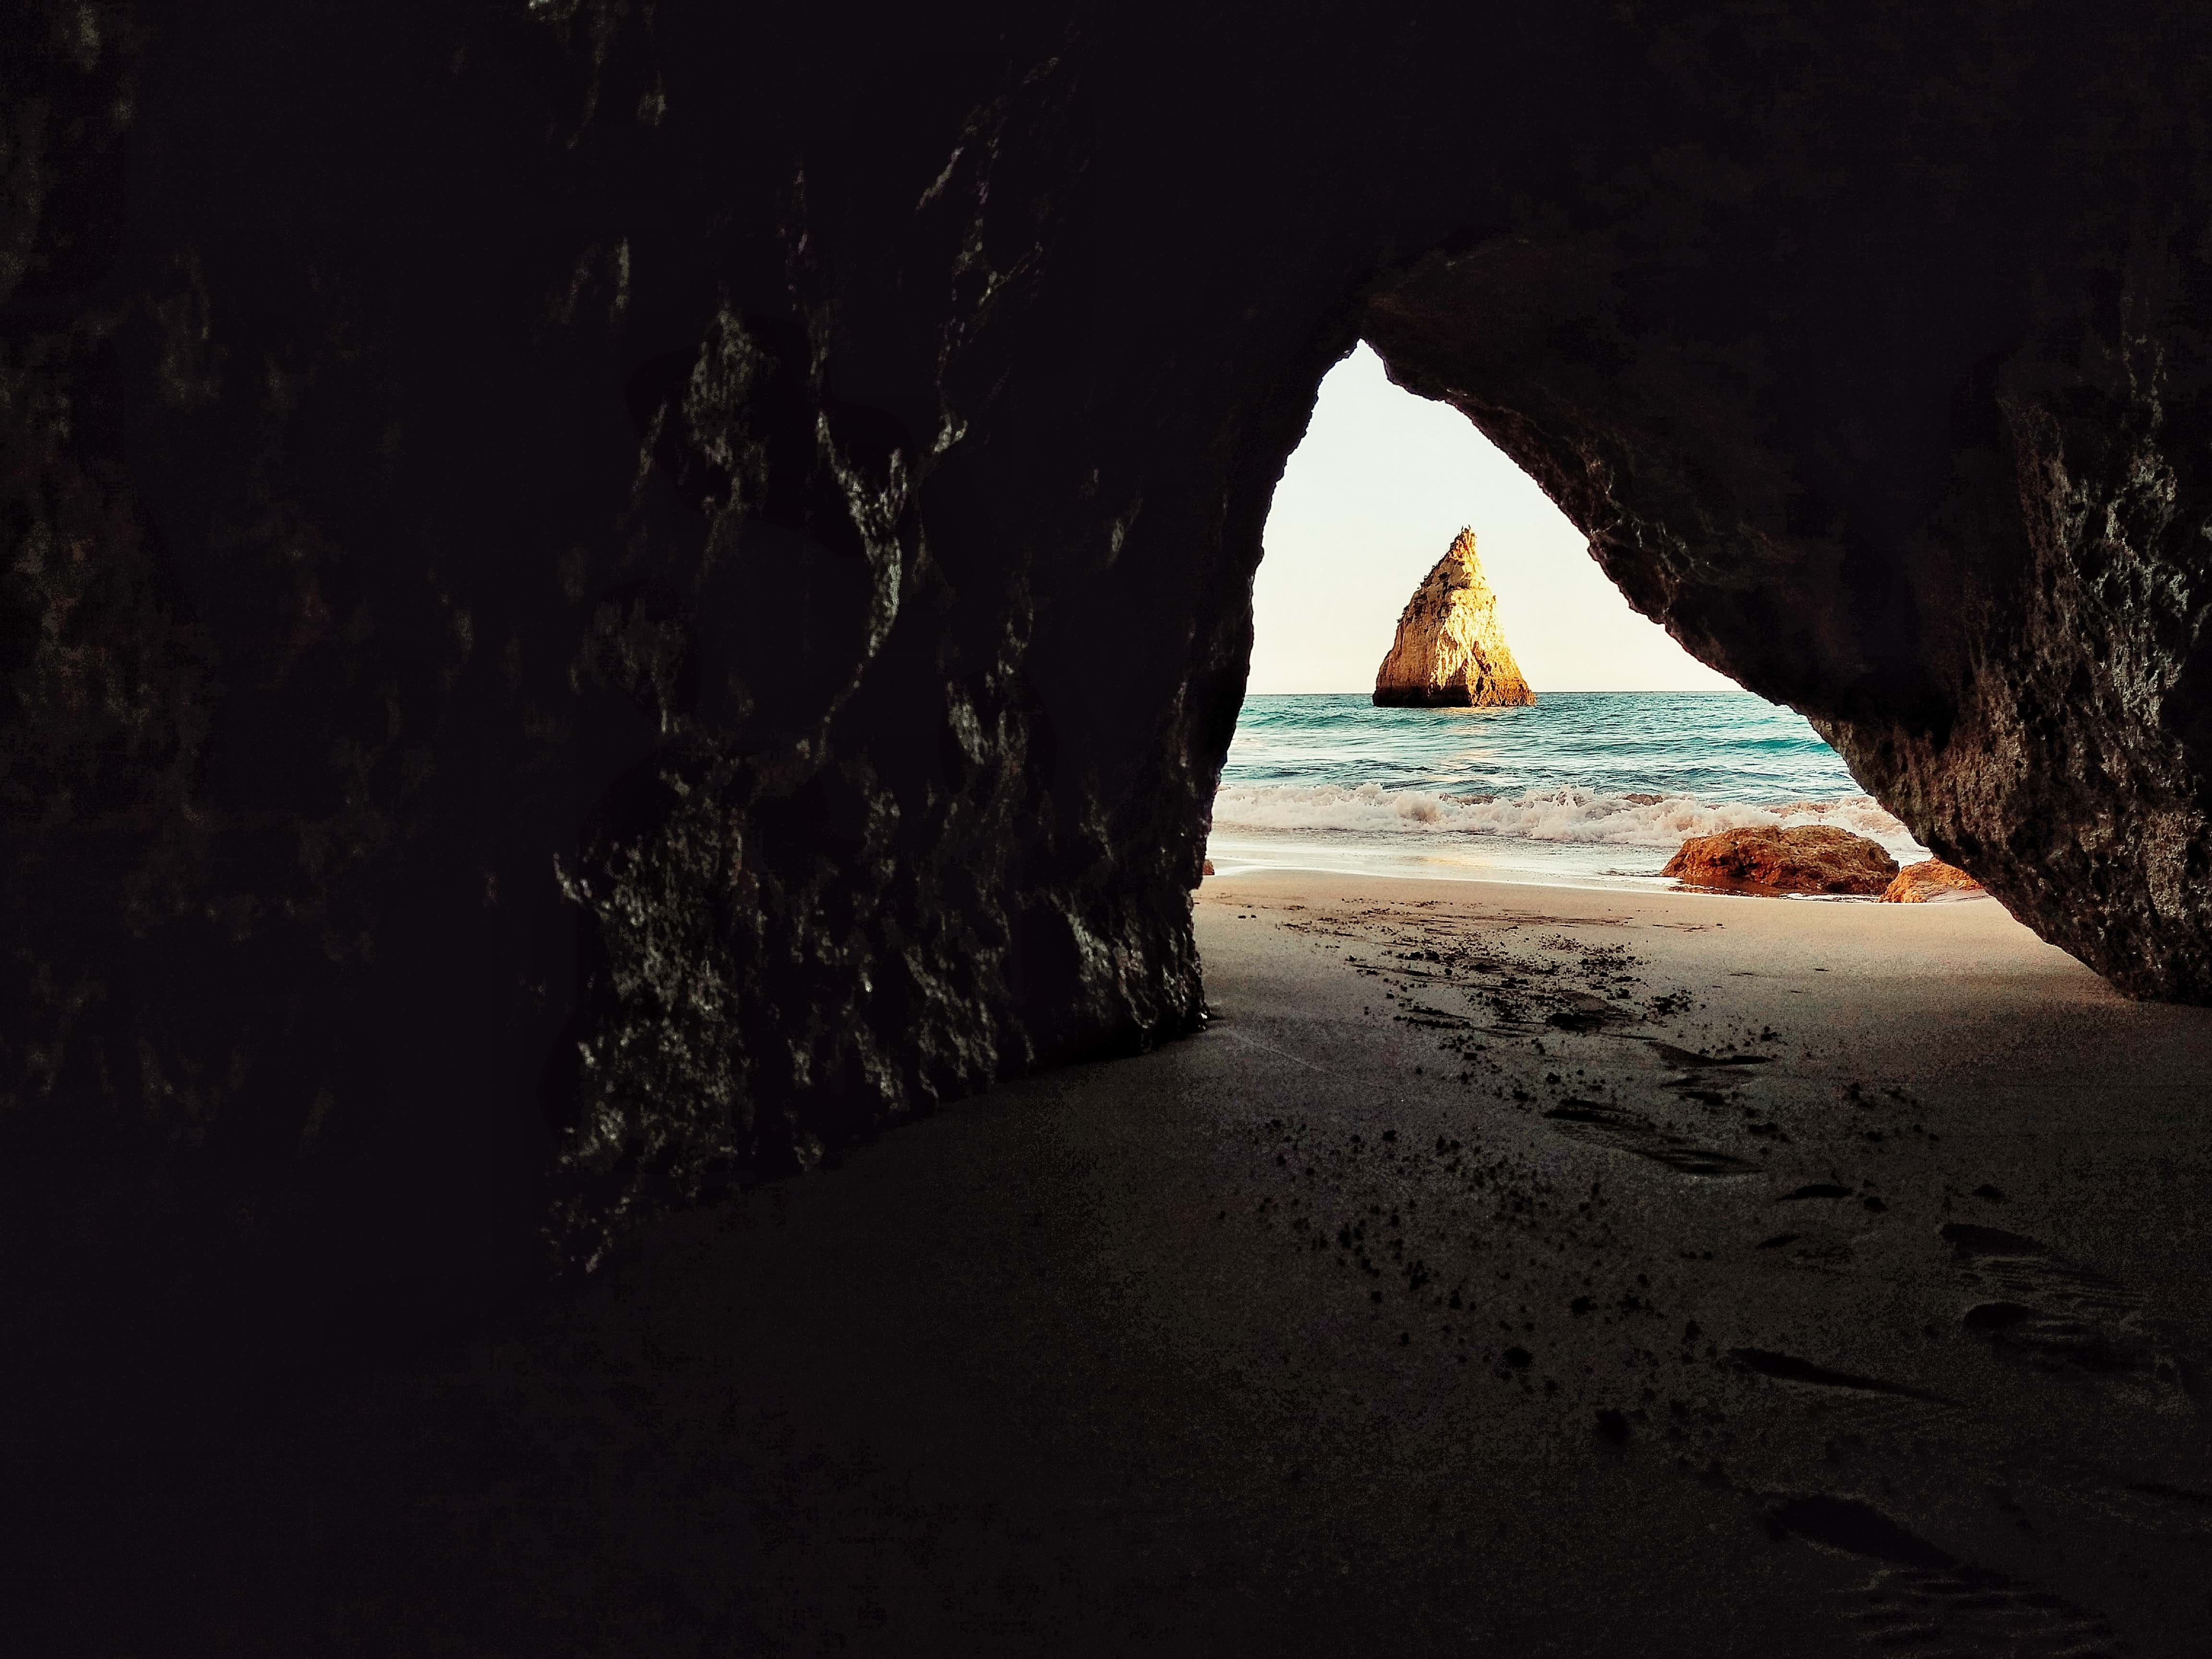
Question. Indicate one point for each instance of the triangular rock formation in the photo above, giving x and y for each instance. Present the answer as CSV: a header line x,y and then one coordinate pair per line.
x,y
1450,651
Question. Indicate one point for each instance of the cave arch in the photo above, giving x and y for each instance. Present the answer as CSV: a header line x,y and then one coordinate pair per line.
x,y
687,624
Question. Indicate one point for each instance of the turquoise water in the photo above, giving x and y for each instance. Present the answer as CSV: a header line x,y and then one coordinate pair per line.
x,y
1590,788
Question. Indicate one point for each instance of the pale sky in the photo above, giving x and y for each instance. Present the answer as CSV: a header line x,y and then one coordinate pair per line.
x,y
1370,502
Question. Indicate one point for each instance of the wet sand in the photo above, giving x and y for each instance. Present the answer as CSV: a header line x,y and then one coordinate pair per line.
x,y
1505,1269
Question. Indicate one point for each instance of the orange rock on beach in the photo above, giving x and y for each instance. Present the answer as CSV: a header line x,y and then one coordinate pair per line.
x,y
1916,884
1810,858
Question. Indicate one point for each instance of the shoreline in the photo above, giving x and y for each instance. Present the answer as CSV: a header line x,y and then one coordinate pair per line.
x,y
1239,868
1582,789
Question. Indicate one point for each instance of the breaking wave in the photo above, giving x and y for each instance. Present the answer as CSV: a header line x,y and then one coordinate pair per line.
x,y
1566,814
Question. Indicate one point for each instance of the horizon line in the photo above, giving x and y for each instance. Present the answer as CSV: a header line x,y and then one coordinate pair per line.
x,y
1559,690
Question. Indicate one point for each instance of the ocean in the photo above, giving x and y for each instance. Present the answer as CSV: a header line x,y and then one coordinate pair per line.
x,y
1584,789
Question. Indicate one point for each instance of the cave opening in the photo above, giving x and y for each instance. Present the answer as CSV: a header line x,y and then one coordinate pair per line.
x,y
1607,744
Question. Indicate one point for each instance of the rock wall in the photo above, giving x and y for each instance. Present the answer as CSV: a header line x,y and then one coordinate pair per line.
x,y
1449,651
602,599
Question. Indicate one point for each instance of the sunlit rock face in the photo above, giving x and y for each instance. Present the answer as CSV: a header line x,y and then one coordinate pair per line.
x,y
1449,651
600,602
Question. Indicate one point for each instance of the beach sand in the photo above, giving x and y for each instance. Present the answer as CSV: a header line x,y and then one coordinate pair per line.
x,y
1504,1269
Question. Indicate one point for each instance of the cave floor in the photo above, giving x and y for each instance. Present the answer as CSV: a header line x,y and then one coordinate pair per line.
x,y
1506,1269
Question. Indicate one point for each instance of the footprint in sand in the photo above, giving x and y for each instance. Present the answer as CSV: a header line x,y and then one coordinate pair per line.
x,y
1788,1368
2040,1306
1625,1131
1917,1595
1921,1599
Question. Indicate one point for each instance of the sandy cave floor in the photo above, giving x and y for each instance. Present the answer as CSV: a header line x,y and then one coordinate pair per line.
x,y
1505,1269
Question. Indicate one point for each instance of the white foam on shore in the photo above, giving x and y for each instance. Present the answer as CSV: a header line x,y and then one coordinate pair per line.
x,y
1573,817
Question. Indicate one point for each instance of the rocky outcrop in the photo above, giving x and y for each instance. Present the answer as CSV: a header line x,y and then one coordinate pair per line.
x,y
1812,858
1930,879
1450,650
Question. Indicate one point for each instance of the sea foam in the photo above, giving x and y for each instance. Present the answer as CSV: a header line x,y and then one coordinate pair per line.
x,y
1566,814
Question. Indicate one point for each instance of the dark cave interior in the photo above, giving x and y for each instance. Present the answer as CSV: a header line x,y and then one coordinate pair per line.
x,y
606,601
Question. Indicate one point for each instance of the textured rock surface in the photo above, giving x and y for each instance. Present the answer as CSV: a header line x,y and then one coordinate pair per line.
x,y
1916,884
599,597
1813,858
1450,650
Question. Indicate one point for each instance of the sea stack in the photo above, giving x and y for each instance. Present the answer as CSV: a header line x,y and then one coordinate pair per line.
x,y
1450,651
